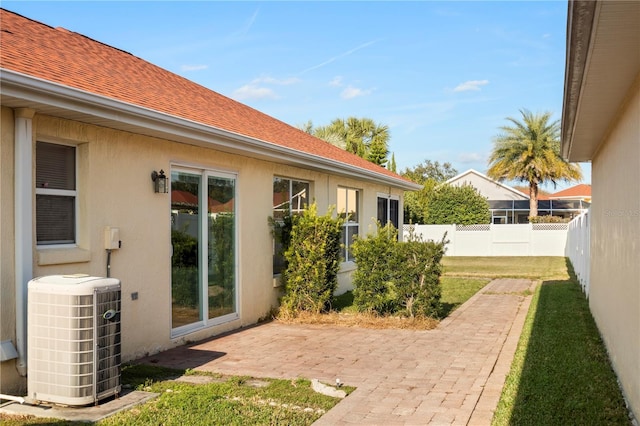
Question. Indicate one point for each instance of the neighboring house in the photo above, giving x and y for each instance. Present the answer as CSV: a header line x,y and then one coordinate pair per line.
x,y
542,195
84,125
581,192
601,124
511,205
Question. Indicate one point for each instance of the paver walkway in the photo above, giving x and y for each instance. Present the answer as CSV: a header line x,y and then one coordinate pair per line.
x,y
450,375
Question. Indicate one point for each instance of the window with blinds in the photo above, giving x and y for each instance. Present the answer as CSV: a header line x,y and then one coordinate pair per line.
x,y
55,194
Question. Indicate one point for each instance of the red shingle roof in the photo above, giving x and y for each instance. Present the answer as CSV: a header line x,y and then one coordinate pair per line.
x,y
581,190
542,195
64,57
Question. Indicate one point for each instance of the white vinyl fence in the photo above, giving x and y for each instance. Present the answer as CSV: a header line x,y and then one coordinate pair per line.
x,y
531,239
577,249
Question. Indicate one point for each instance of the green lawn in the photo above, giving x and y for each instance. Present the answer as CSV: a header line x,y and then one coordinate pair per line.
x,y
561,373
214,400
535,268
457,290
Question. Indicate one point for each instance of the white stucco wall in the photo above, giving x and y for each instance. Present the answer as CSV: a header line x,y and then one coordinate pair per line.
x,y
115,189
614,295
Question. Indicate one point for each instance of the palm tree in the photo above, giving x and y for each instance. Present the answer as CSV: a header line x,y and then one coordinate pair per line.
x,y
360,136
529,151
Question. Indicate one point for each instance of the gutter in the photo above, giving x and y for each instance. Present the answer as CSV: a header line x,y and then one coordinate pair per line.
x,y
170,127
580,18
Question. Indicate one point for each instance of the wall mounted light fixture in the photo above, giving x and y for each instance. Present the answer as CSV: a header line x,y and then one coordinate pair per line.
x,y
159,182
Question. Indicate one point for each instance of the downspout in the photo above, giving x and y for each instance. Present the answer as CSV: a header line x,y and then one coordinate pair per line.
x,y
23,220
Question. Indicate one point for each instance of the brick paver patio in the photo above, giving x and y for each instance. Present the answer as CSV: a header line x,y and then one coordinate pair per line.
x,y
451,375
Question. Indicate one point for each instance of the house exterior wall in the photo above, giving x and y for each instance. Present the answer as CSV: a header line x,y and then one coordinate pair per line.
x,y
487,188
614,295
115,189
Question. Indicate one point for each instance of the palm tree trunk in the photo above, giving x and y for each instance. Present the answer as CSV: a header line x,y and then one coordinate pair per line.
x,y
533,199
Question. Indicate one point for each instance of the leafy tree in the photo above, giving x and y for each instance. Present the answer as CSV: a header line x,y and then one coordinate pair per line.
x,y
392,164
377,153
429,174
529,151
430,170
462,205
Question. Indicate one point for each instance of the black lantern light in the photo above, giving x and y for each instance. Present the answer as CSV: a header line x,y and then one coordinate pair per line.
x,y
159,182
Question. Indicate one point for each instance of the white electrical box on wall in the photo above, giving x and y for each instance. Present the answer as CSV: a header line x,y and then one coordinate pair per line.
x,y
111,238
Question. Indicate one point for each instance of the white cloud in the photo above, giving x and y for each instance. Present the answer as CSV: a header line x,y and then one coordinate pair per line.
x,y
471,157
336,82
470,85
353,92
252,91
194,67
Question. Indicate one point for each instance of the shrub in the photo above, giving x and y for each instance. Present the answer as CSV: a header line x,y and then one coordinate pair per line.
x,y
462,205
548,219
375,281
397,277
313,261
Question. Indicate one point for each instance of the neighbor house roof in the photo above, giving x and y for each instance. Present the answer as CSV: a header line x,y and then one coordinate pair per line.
x,y
582,190
65,74
603,60
542,195
467,176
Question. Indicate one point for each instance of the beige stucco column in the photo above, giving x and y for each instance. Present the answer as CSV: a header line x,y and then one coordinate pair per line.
x,y
23,225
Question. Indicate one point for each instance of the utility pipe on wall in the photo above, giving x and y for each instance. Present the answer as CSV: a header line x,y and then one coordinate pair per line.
x,y
23,225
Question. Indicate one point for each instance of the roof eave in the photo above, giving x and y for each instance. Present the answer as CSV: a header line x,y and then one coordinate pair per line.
x,y
34,91
602,68
579,27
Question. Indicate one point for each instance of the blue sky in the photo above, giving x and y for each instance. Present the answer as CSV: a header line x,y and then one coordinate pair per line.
x,y
442,75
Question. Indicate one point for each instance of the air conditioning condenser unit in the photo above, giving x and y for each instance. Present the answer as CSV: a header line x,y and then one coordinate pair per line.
x,y
73,344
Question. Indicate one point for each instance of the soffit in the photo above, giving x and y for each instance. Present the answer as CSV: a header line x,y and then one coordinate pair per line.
x,y
610,69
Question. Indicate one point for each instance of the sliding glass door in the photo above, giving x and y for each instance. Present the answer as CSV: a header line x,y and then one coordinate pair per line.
x,y
203,238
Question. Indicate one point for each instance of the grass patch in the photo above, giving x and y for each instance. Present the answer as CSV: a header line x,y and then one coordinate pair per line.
x,y
230,400
221,400
457,290
344,303
560,374
535,268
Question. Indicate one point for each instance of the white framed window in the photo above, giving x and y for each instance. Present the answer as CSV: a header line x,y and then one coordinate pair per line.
x,y
289,196
348,205
56,194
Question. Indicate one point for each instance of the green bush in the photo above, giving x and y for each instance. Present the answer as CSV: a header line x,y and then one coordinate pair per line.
x,y
397,277
548,219
313,260
462,205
